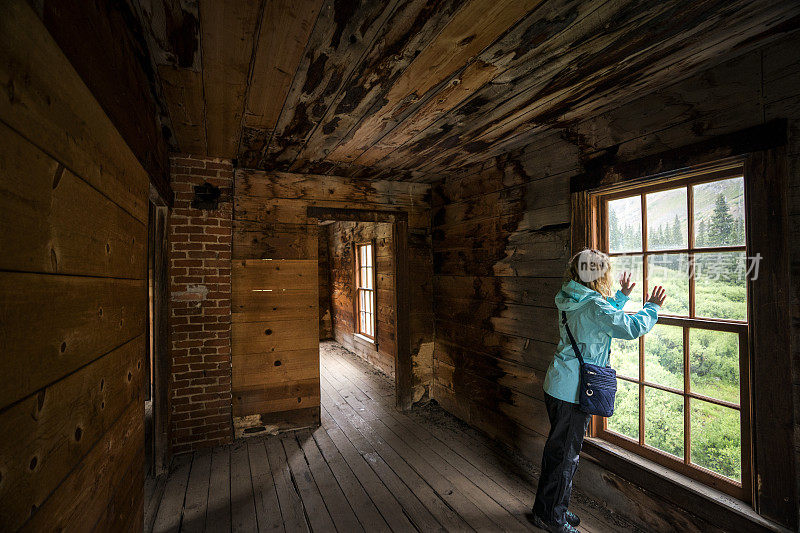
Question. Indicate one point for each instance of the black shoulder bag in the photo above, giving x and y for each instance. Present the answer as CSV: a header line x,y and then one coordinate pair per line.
x,y
598,384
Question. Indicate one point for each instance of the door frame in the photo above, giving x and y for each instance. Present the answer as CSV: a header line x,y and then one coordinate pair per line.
x,y
158,264
403,367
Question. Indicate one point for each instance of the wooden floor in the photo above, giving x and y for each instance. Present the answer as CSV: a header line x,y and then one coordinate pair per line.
x,y
368,468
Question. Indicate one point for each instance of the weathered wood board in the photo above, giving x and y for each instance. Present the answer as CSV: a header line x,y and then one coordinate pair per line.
x,y
73,296
275,338
271,222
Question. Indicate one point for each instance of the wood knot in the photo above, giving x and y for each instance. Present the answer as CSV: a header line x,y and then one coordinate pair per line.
x,y
40,400
57,175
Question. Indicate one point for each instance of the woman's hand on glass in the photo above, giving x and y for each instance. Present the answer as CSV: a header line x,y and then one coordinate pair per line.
x,y
625,282
658,296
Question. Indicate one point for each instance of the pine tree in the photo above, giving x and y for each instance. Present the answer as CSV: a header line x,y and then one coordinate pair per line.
x,y
700,238
739,232
677,238
721,228
613,231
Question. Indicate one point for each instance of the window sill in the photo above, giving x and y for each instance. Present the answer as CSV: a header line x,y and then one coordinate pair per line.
x,y
362,338
705,502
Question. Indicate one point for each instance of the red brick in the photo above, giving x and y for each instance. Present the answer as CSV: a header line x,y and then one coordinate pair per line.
x,y
200,254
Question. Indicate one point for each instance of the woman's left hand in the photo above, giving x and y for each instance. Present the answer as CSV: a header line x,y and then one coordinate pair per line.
x,y
625,282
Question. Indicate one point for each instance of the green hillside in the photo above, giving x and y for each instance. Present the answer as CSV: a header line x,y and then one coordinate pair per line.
x,y
667,218
720,292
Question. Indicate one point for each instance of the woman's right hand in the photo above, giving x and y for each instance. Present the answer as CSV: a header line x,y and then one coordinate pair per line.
x,y
658,296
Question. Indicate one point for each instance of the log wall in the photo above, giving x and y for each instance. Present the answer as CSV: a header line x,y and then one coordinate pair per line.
x,y
105,43
325,309
342,237
501,233
73,295
270,222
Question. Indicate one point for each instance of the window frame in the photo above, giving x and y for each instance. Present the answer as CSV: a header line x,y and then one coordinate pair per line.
x,y
598,213
358,289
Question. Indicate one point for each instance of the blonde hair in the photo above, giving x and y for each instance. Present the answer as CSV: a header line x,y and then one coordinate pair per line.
x,y
599,261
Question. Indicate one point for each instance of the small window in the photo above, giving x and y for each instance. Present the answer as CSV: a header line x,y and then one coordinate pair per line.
x,y
365,289
683,396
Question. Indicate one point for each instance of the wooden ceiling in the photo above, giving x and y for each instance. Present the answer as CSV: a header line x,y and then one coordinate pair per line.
x,y
413,89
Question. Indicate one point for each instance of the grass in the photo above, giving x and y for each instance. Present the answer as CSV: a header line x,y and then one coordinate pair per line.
x,y
714,372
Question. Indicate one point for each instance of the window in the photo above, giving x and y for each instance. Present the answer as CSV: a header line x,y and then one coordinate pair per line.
x,y
365,289
683,394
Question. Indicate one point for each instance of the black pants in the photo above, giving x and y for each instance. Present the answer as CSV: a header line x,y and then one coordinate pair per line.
x,y
560,458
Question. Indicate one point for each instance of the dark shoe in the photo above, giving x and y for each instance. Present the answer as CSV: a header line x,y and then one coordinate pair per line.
x,y
572,519
547,526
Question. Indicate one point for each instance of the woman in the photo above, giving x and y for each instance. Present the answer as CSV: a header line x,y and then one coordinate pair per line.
x,y
594,317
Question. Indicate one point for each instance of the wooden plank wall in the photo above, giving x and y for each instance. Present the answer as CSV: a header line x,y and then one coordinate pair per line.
x,y
274,338
501,240
342,237
325,309
73,230
270,222
104,42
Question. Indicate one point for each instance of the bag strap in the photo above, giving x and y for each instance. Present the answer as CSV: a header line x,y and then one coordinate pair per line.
x,y
571,338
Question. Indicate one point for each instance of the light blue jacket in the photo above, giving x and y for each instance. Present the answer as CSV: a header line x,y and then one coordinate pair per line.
x,y
594,321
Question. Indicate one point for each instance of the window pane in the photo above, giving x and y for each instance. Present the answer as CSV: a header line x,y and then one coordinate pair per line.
x,y
625,225
720,286
719,213
714,362
716,438
368,277
633,265
663,356
625,420
672,272
667,219
663,421
625,357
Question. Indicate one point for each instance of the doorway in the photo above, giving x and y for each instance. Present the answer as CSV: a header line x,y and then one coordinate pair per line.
x,y
357,290
365,254
157,360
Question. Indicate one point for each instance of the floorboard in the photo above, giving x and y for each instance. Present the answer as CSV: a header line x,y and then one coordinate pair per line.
x,y
268,511
335,501
196,503
368,514
368,467
218,515
243,508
